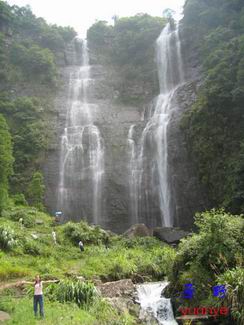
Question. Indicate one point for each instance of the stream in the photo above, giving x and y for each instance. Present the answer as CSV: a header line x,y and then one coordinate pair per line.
x,y
149,296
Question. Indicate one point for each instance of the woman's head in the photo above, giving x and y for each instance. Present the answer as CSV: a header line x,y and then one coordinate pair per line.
x,y
37,278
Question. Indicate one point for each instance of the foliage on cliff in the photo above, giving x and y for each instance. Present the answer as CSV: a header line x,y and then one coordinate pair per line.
x,y
6,161
129,47
215,125
30,51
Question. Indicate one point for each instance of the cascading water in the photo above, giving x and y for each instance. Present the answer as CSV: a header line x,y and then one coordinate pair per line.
x,y
149,170
152,302
82,151
133,178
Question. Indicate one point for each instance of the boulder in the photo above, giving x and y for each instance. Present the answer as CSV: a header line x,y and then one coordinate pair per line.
x,y
34,236
39,222
170,235
121,288
146,317
125,305
4,316
138,230
81,278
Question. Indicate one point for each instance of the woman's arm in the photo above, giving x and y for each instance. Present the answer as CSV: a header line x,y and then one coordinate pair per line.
x,y
51,281
27,282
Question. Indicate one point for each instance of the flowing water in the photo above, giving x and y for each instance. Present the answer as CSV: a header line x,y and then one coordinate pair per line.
x,y
148,164
153,303
82,151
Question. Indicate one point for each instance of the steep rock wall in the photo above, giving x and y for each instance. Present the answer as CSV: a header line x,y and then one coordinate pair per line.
x,y
114,120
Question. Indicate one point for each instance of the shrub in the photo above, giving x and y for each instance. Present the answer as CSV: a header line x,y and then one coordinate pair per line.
x,y
7,238
32,248
24,214
19,199
36,190
234,282
81,293
81,231
201,258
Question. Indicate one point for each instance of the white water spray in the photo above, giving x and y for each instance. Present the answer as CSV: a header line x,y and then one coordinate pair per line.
x,y
82,151
152,302
149,163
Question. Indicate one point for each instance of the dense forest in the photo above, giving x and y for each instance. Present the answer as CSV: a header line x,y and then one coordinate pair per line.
x,y
32,53
214,126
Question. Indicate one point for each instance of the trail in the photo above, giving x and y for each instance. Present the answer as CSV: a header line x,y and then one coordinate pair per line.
x,y
16,284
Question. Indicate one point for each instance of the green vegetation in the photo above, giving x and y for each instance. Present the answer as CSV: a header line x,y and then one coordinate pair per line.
x,y
30,51
100,312
128,47
36,190
146,257
212,256
81,293
6,161
214,126
27,249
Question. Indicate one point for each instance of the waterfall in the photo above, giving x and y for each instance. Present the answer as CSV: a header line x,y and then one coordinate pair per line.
x,y
133,178
82,151
152,302
149,177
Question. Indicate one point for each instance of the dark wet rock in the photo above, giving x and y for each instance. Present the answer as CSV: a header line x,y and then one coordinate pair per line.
x,y
138,230
170,235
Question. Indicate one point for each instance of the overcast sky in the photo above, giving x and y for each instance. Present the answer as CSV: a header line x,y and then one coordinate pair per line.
x,y
82,14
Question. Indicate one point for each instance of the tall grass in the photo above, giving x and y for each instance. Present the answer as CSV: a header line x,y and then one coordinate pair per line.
x,y
80,293
99,313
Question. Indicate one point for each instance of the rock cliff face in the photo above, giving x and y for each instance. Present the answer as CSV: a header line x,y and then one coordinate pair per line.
x,y
189,196
114,120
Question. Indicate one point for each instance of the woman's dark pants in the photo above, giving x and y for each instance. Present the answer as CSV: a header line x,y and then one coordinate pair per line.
x,y
38,299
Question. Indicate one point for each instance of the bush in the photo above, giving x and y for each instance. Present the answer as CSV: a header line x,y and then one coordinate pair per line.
x,y
234,282
28,220
81,293
206,255
7,238
19,199
32,248
81,231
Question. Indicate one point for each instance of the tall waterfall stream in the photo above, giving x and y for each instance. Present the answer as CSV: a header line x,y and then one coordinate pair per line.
x,y
148,163
82,149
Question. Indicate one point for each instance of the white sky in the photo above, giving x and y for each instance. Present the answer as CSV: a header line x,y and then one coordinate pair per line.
x,y
81,14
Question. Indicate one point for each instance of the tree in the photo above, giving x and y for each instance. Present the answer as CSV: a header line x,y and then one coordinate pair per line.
x,y
36,190
6,161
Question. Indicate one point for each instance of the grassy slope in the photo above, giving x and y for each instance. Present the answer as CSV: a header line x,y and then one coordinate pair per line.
x,y
124,258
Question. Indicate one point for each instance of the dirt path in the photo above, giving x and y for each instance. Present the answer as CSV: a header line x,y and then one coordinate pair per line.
x,y
7,285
